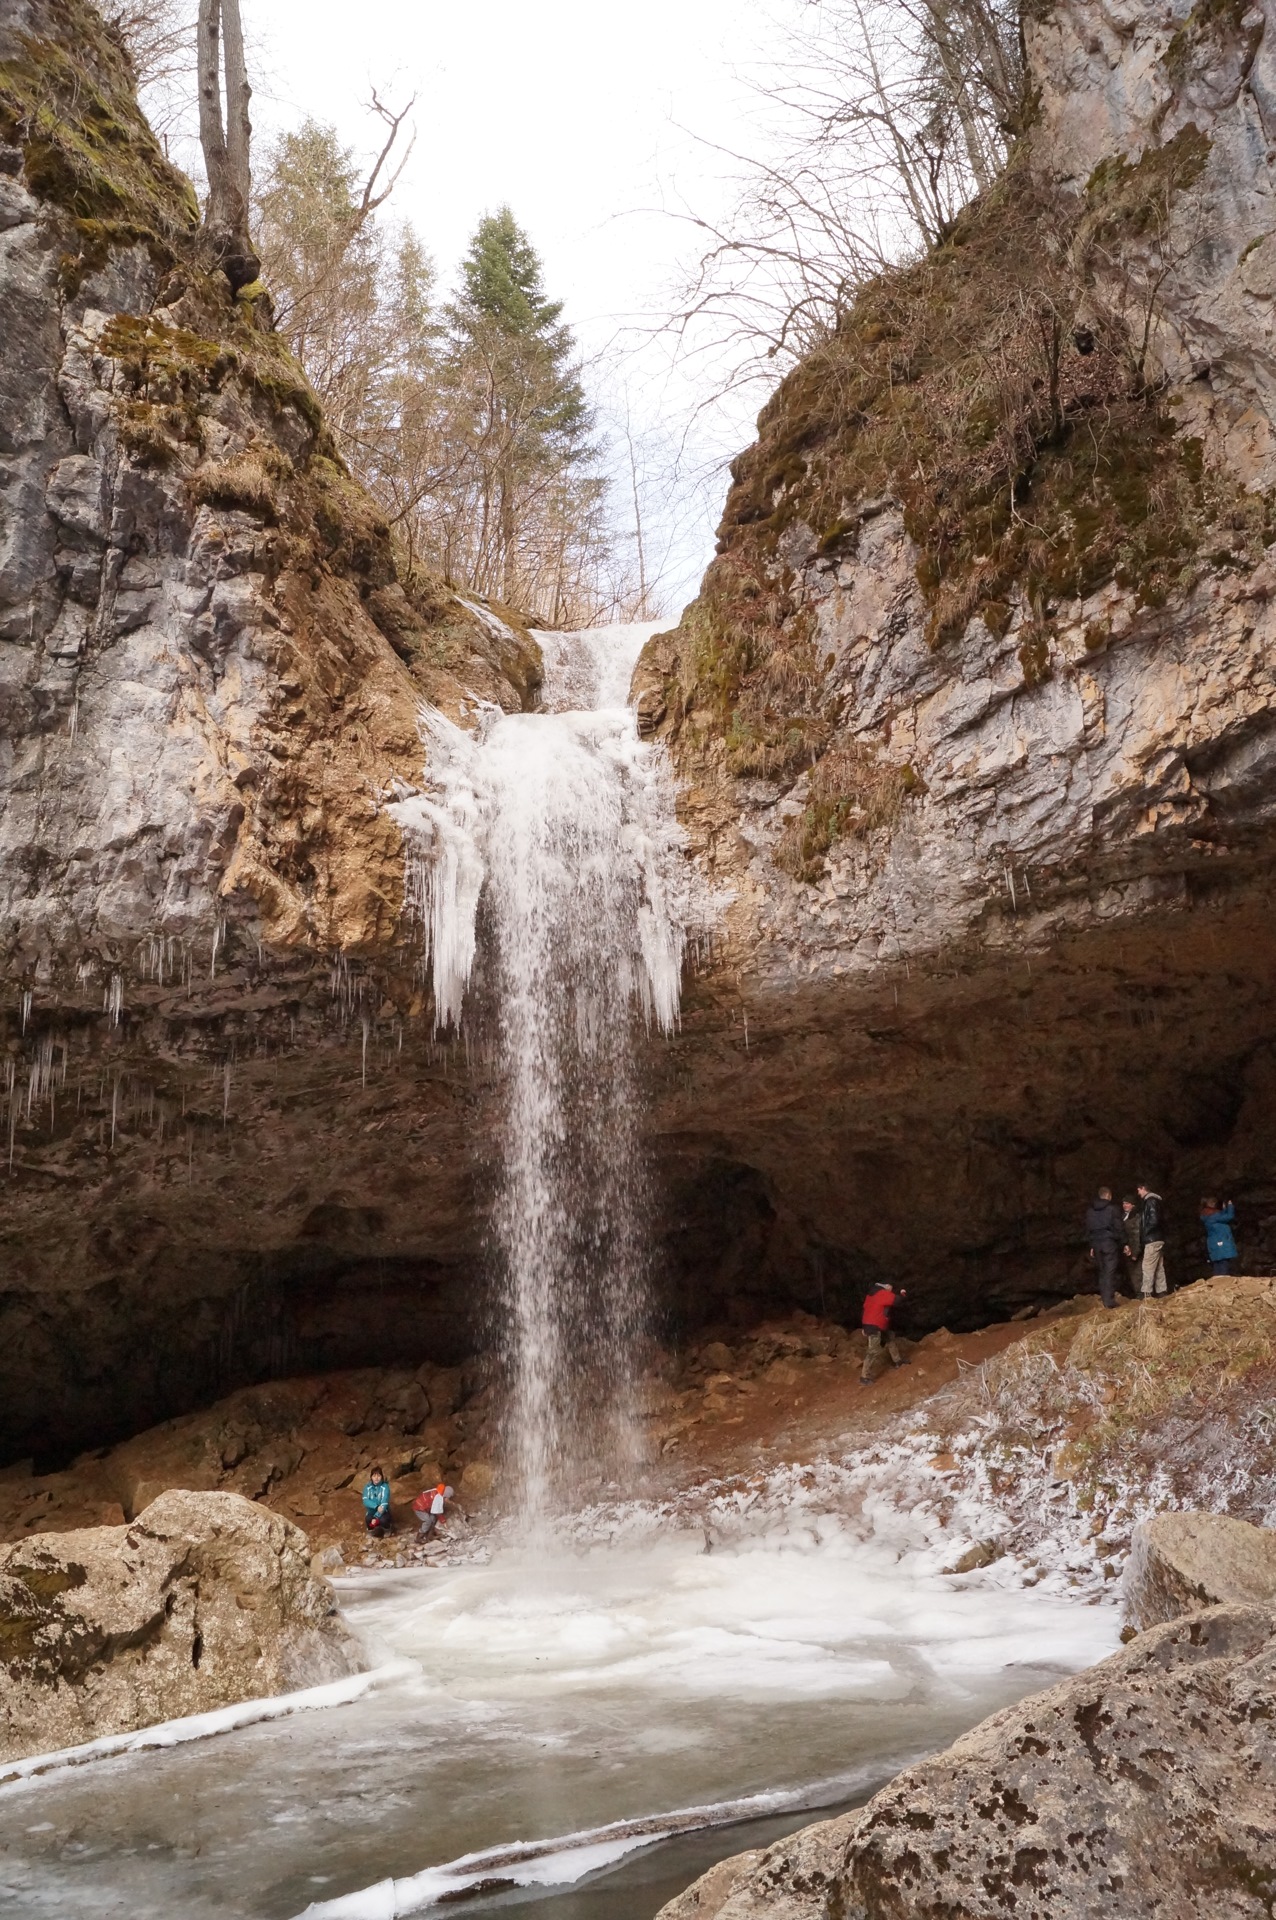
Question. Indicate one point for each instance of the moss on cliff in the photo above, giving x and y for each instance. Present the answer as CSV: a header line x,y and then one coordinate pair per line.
x,y
852,790
985,394
68,99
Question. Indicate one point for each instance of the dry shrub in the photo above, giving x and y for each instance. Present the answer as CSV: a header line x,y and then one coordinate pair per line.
x,y
852,791
1104,1395
248,481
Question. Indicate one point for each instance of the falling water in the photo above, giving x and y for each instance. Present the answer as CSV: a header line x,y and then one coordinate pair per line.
x,y
543,862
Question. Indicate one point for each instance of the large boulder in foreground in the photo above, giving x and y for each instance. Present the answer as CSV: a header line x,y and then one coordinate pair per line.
x,y
1144,1788
204,1600
1181,1562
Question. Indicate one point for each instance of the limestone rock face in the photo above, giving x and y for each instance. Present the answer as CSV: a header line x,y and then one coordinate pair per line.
x,y
1180,1562
1145,1787
1124,82
975,809
204,1600
211,662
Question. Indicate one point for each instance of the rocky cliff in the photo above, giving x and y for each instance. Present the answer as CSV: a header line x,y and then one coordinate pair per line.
x,y
973,718
975,709
210,664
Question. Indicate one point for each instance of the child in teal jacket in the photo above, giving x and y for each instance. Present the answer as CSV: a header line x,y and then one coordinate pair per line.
x,y
376,1503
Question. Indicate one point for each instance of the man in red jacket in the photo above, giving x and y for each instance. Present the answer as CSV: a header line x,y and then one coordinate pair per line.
x,y
877,1325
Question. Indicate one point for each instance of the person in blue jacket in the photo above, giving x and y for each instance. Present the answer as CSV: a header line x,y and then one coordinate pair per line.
x,y
1220,1242
376,1503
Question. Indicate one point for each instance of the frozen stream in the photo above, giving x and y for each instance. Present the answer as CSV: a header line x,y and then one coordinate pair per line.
x,y
535,1699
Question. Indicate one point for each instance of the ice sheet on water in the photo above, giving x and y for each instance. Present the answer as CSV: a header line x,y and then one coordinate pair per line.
x,y
622,1668
565,1859
847,1610
200,1726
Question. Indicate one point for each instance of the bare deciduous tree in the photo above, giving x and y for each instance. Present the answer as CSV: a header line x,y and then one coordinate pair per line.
x,y
226,139
887,117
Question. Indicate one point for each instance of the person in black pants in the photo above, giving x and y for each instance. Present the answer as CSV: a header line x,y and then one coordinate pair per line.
x,y
1105,1230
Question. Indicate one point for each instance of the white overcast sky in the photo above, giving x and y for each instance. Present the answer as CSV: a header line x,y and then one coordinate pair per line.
x,y
597,125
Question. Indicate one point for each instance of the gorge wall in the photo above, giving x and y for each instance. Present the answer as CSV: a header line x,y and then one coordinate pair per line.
x,y
974,712
973,717
210,667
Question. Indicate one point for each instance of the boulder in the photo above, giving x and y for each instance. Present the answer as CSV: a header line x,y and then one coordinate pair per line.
x,y
1143,1788
1181,1562
204,1600
707,1896
477,1482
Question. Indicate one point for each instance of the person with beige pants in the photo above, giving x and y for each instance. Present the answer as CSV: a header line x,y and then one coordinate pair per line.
x,y
1154,1280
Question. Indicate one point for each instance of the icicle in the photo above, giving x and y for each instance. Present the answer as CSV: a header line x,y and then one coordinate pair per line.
x,y
563,825
113,998
363,1064
26,1008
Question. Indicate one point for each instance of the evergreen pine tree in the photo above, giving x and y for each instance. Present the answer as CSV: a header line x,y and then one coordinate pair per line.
x,y
513,359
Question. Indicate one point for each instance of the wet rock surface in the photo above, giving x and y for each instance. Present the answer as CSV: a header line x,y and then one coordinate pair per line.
x,y
1146,1786
204,1599
1180,1562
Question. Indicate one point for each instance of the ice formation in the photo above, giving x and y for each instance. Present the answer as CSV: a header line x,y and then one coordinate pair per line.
x,y
545,867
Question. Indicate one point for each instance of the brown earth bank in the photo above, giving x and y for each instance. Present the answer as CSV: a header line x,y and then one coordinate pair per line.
x,y
1075,1419
994,819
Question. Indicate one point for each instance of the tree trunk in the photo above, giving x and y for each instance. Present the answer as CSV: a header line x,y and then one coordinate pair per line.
x,y
238,94
225,160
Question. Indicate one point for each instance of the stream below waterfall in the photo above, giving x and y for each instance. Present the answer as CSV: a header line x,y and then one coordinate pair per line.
x,y
546,1696
581,1728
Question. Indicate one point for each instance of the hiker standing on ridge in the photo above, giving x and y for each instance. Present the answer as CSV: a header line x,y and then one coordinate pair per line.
x,y
878,1308
1132,1216
1154,1280
1220,1241
1105,1230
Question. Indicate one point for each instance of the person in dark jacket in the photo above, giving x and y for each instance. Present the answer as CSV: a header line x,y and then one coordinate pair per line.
x,y
1153,1212
1132,1217
1220,1241
376,1504
877,1324
1105,1230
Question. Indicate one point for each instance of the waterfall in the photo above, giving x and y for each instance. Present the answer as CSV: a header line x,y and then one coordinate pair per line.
x,y
544,862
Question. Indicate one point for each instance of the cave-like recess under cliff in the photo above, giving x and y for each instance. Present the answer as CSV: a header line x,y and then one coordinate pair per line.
x,y
997,928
